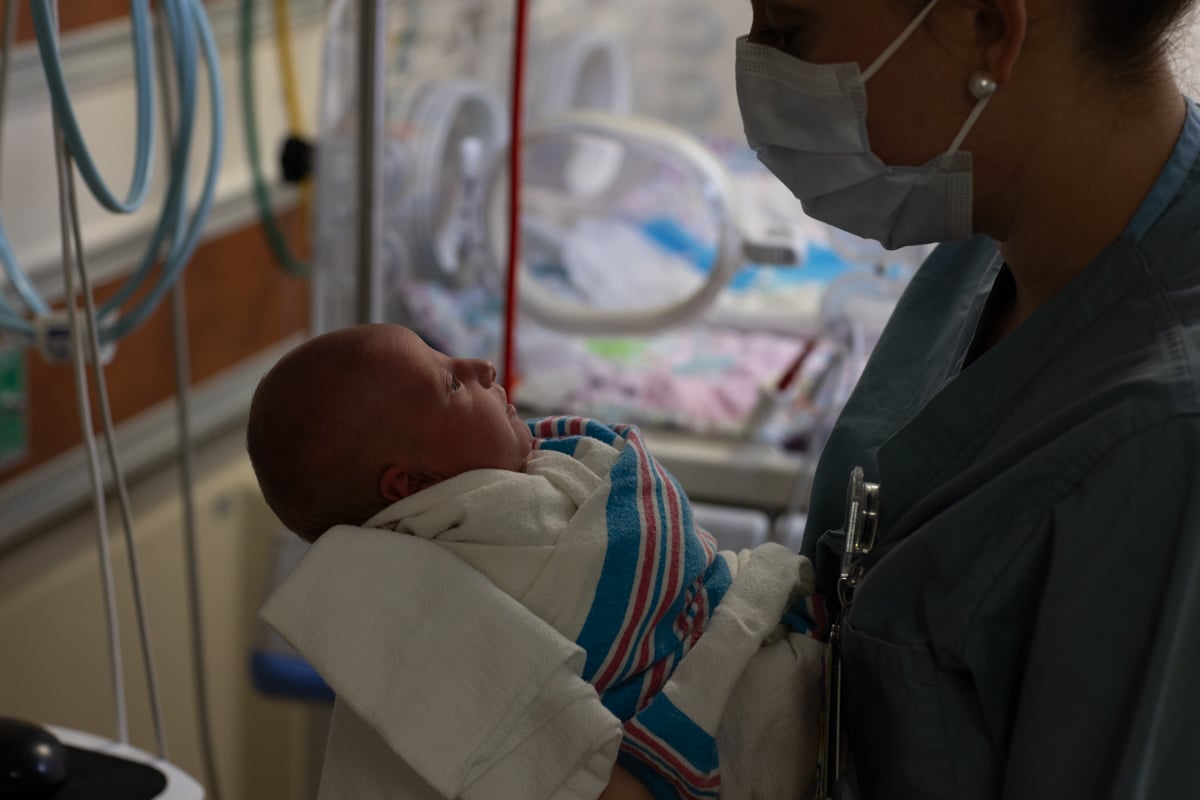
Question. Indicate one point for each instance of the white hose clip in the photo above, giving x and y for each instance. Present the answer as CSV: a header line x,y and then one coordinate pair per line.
x,y
52,338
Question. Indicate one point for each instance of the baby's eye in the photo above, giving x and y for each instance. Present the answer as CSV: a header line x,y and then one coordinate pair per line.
x,y
455,384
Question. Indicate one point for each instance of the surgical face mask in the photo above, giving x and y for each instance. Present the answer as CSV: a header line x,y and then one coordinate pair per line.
x,y
808,124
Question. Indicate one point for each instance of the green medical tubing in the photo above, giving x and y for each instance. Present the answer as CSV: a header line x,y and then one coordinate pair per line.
x,y
262,198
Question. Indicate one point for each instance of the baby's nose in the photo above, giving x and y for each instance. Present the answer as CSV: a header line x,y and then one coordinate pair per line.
x,y
485,372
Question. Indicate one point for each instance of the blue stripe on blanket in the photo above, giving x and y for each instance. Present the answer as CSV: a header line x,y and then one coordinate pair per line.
x,y
660,582
672,755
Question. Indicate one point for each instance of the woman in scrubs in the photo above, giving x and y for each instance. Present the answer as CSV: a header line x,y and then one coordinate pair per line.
x,y
1028,624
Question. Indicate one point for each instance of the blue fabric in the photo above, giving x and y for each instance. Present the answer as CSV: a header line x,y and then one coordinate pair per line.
x,y
1173,177
673,756
661,581
1059,466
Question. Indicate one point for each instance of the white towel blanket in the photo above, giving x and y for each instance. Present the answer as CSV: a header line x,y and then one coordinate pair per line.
x,y
439,669
446,686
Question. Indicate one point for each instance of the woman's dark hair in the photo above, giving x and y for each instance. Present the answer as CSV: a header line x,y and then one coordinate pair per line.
x,y
1130,36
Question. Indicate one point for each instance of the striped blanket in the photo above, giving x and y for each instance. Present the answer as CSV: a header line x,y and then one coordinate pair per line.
x,y
596,538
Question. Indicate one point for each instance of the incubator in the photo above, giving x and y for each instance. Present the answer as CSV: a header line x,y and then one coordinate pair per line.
x,y
666,278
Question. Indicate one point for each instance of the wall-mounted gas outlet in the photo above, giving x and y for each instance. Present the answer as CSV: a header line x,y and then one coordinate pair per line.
x,y
14,405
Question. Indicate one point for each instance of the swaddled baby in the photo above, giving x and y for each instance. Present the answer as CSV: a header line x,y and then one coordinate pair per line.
x,y
575,520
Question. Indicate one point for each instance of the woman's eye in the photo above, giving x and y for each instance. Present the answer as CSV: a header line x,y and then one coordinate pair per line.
x,y
455,384
789,41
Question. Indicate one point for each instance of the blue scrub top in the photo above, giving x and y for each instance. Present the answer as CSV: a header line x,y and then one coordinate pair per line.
x,y
1029,626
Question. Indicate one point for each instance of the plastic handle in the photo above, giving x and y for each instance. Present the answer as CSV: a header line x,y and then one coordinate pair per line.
x,y
556,312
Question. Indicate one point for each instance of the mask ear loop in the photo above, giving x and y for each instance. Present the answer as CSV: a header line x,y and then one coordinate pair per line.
x,y
877,65
982,86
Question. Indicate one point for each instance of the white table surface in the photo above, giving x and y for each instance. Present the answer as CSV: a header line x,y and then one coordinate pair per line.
x,y
180,785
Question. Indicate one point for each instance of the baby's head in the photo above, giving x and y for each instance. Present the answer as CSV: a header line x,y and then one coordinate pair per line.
x,y
354,420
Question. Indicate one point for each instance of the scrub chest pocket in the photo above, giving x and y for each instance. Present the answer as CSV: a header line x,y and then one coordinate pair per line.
x,y
928,693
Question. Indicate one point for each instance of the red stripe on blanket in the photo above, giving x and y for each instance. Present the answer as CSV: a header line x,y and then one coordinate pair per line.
x,y
643,582
654,682
634,730
672,588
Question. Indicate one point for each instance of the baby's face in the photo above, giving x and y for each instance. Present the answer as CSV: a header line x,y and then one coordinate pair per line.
x,y
456,413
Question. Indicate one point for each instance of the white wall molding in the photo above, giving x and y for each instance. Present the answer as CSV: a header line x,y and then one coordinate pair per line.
x,y
101,54
61,487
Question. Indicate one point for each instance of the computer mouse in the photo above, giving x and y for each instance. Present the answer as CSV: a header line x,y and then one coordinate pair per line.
x,y
33,762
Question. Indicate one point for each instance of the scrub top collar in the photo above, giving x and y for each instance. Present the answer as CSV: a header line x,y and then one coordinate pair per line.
x,y
1173,177
945,435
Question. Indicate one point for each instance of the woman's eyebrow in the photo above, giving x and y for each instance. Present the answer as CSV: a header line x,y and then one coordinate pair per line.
x,y
786,14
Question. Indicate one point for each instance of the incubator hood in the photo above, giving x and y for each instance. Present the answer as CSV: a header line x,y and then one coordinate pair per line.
x,y
649,232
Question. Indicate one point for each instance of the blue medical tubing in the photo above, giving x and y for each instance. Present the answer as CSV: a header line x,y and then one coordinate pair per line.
x,y
191,36
183,249
20,281
183,46
45,28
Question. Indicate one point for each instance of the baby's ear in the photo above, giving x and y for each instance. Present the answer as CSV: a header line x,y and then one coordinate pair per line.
x,y
398,482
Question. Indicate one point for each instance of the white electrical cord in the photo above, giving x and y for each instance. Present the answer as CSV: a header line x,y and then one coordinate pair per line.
x,y
183,371
191,540
93,458
118,473
69,214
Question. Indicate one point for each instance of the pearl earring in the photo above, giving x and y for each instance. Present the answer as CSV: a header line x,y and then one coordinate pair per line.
x,y
982,85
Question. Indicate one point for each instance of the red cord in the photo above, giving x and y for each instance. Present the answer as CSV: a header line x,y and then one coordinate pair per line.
x,y
514,197
793,370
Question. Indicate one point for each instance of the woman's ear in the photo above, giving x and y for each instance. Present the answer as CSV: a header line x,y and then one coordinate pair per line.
x,y
1000,28
398,482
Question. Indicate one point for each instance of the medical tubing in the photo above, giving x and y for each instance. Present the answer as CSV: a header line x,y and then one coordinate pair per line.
x,y
118,473
291,97
520,29
93,459
22,284
187,23
10,36
284,254
190,539
8,318
287,67
182,250
183,49
183,417
20,280
45,29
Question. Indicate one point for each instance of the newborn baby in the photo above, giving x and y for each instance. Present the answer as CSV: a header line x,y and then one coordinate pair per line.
x,y
370,426
357,419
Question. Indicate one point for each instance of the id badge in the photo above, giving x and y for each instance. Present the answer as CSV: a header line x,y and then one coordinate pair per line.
x,y
862,524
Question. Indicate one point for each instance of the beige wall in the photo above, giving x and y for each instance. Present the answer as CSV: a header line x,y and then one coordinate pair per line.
x,y
53,657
